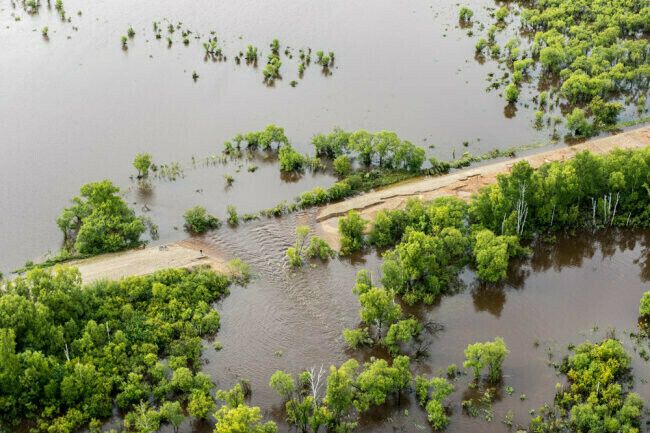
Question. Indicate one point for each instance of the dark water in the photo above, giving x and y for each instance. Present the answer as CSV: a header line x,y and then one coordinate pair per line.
x,y
76,107
557,296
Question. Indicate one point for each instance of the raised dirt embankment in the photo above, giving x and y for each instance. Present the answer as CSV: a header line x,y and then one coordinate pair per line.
x,y
462,184
145,261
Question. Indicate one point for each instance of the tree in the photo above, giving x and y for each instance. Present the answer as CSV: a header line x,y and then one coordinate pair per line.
x,y
101,220
362,143
378,307
282,383
577,123
378,379
339,392
342,165
297,252
198,220
201,404
401,332
491,353
644,308
491,254
142,162
606,113
242,419
289,159
351,230
173,413
416,268
512,94
465,14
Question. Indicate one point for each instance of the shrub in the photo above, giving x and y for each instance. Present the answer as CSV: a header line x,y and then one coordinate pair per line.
x,y
100,220
512,94
339,190
318,247
233,217
198,220
351,230
644,308
465,14
342,165
578,124
290,160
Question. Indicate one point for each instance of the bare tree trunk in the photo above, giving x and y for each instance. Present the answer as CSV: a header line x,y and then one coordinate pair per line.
x,y
552,215
614,213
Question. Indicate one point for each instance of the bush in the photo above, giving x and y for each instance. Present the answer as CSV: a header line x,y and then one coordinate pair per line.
x,y
512,94
100,220
290,160
578,124
198,220
339,190
644,308
342,165
318,247
233,217
351,230
465,14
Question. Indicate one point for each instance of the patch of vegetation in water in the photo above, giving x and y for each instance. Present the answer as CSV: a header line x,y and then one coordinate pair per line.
x,y
588,52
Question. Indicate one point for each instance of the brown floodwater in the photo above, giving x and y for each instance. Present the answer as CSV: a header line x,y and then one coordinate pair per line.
x,y
75,107
580,288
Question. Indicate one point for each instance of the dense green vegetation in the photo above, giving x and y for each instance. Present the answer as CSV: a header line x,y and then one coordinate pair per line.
x,y
433,240
348,390
596,398
100,221
71,353
587,51
198,220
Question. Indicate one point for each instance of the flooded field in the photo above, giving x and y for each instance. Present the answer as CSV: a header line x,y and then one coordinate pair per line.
x,y
580,288
79,99
77,108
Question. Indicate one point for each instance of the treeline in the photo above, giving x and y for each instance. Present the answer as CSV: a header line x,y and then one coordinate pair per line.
x,y
431,240
69,354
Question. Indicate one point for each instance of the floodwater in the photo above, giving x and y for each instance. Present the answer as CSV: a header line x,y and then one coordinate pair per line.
x,y
580,288
75,107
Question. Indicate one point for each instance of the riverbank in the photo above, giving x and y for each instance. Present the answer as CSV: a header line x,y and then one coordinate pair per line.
x,y
145,261
462,184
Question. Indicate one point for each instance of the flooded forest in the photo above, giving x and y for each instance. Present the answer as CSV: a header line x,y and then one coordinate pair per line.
x,y
281,216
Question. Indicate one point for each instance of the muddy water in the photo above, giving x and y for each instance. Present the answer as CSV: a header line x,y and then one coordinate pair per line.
x,y
558,297
76,107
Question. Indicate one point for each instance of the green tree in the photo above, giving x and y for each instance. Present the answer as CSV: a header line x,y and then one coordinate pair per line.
x,y
351,230
577,123
512,94
289,159
644,308
201,404
282,383
142,163
198,220
101,220
491,353
342,165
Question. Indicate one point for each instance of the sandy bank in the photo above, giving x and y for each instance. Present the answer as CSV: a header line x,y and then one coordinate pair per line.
x,y
145,261
464,183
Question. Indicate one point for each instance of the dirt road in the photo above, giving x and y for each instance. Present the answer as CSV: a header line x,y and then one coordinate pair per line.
x,y
145,261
